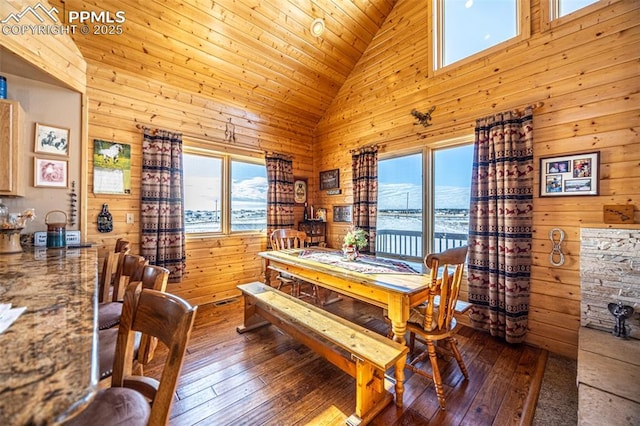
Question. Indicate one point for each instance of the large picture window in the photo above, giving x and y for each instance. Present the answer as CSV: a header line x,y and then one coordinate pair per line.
x,y
400,221
433,203
224,193
452,190
463,28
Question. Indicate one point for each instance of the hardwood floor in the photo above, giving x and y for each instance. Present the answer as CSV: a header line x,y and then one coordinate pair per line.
x,y
265,377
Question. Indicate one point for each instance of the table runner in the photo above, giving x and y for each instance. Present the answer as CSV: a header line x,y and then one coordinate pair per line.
x,y
364,263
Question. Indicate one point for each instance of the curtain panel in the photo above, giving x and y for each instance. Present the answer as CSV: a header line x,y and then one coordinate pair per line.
x,y
500,222
364,163
280,199
162,207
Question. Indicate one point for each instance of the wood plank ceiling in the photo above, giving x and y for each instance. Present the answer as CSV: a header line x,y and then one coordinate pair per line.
x,y
256,56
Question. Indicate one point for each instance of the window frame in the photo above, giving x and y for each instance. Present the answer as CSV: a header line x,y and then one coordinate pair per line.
x,y
436,31
227,154
550,8
428,182
405,153
456,142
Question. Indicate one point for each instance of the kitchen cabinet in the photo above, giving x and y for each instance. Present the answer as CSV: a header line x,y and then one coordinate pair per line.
x,y
12,182
316,231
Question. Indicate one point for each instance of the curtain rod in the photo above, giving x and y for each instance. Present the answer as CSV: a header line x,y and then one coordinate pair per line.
x,y
200,139
533,107
365,147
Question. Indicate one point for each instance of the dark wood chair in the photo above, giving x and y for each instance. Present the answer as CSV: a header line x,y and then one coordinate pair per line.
x,y
129,270
138,400
282,239
154,278
434,320
110,266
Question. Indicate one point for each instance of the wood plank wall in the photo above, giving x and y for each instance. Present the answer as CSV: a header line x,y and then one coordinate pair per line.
x,y
585,72
215,265
57,56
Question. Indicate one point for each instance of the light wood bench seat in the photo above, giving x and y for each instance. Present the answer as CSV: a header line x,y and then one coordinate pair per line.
x,y
361,353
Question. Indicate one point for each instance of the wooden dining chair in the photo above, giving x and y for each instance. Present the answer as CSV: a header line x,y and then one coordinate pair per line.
x,y
137,400
282,239
129,270
110,266
154,278
434,320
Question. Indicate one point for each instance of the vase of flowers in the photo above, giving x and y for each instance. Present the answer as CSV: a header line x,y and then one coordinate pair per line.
x,y
355,240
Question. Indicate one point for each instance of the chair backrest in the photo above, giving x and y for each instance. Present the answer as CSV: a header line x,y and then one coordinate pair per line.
x,y
154,278
287,238
170,319
109,267
445,271
112,262
129,270
122,246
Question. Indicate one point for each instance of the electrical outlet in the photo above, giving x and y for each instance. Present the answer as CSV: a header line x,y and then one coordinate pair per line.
x,y
130,218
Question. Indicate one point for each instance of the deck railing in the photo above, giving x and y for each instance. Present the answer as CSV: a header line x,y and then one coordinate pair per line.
x,y
408,244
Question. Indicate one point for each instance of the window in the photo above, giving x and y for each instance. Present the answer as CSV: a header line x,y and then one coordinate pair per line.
x,y
248,196
463,28
223,193
560,8
399,227
452,190
405,214
558,12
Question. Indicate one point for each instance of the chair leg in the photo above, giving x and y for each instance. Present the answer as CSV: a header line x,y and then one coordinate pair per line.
x,y
453,343
437,379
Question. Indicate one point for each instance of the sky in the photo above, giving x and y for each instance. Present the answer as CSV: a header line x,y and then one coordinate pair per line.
x,y
400,180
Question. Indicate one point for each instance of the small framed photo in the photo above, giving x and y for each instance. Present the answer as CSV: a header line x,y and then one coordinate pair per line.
x,y
321,214
342,213
300,190
50,173
576,174
52,140
330,179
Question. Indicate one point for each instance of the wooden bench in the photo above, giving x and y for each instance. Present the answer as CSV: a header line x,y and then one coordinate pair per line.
x,y
361,353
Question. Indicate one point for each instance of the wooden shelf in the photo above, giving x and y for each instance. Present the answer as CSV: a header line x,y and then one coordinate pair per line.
x,y
316,231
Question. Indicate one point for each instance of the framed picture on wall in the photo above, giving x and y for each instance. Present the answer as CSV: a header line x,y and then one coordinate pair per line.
x,y
111,167
342,213
576,174
51,140
50,173
300,190
330,179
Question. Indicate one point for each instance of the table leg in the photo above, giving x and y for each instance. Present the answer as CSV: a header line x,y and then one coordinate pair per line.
x,y
399,375
266,272
399,330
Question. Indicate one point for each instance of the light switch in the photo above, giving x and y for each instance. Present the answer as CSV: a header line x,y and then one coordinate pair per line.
x,y
130,218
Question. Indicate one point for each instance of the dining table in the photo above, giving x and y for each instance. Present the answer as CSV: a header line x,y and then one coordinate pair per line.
x,y
48,368
390,284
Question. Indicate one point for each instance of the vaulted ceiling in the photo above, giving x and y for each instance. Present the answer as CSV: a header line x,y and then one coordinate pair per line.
x,y
256,56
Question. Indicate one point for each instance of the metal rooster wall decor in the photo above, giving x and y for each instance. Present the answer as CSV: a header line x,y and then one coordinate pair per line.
x,y
423,117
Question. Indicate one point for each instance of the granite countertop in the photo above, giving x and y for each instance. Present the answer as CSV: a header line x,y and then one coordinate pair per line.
x,y
47,368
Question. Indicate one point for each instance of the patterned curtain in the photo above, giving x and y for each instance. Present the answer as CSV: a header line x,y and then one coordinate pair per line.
x,y
161,208
364,163
500,220
279,192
